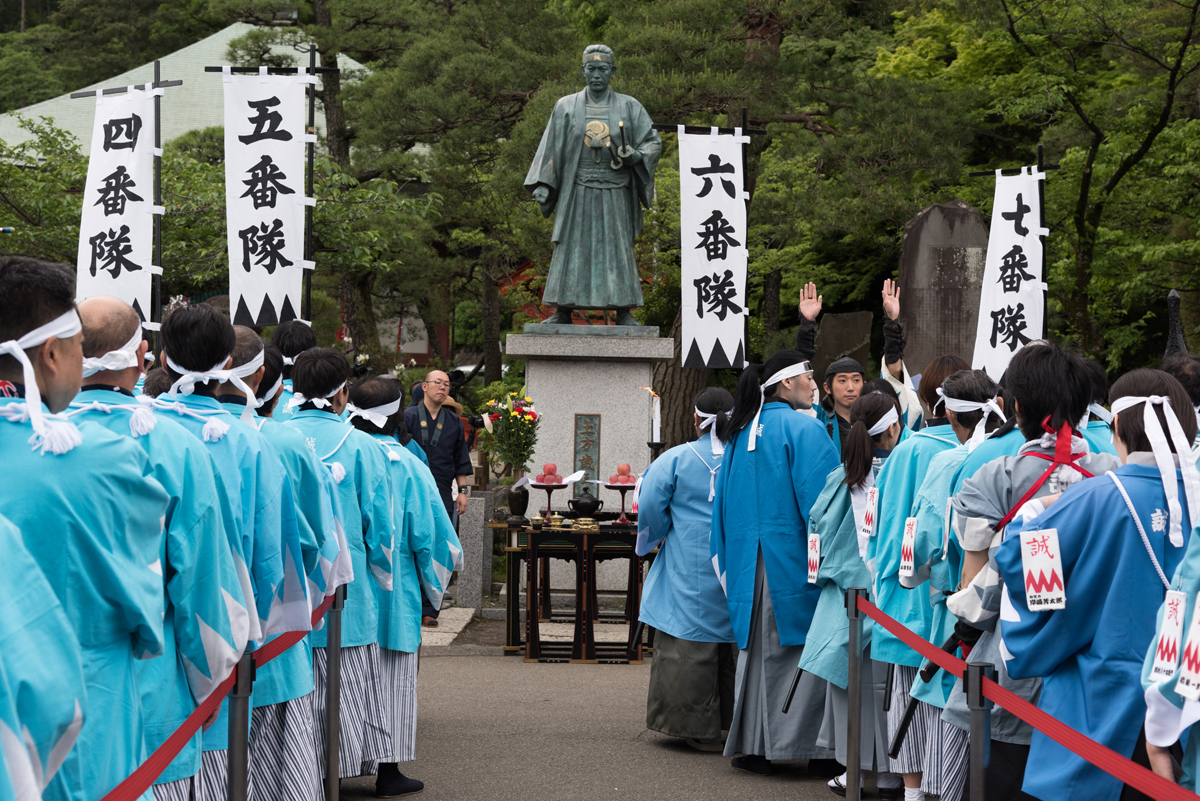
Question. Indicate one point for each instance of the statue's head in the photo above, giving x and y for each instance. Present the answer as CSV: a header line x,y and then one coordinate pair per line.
x,y
598,66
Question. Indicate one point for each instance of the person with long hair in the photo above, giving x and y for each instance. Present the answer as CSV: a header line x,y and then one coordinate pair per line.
x,y
898,482
1050,393
839,527
691,677
1117,542
774,467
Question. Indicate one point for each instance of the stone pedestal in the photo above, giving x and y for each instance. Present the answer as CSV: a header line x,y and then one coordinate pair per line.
x,y
597,373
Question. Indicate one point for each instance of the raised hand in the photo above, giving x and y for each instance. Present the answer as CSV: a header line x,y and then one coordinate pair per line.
x,y
810,302
891,299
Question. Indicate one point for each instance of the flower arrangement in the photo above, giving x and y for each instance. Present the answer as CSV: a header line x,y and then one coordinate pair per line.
x,y
513,424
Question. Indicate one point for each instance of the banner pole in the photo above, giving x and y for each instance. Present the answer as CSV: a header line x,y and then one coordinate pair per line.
x,y
333,697
156,280
1041,164
981,726
306,304
854,688
237,788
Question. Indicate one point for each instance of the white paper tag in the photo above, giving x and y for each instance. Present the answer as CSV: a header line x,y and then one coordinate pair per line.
x,y
814,555
907,546
1166,648
868,525
1042,565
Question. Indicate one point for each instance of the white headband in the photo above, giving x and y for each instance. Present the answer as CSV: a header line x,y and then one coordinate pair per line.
x,y
376,414
119,359
957,405
1100,412
50,432
289,361
298,399
271,392
189,378
245,371
885,422
1162,456
709,421
791,371
149,356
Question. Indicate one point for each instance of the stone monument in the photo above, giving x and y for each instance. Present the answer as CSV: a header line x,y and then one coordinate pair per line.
x,y
594,170
941,274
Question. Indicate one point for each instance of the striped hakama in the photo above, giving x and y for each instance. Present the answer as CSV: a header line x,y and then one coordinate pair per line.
x,y
936,750
365,739
211,781
188,789
284,765
764,675
398,671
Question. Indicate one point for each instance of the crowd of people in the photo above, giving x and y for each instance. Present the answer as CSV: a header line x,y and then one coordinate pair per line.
x,y
1016,522
158,527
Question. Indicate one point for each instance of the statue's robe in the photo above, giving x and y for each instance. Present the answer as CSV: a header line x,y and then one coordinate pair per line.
x,y
599,208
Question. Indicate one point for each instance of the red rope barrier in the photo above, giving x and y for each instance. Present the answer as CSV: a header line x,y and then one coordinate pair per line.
x,y
1105,758
141,779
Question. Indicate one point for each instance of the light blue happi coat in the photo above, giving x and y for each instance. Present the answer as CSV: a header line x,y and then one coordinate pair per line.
x,y
682,595
92,519
281,413
762,501
898,482
827,651
1169,715
267,550
289,676
269,540
933,565
207,624
427,549
1090,654
1099,437
42,695
364,493
417,451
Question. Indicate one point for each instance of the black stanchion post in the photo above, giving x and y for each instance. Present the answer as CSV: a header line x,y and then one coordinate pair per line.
x,y
333,693
981,725
238,754
854,697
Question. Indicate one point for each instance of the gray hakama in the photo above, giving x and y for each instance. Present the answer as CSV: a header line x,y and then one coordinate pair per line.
x,y
764,674
365,739
873,740
691,687
212,781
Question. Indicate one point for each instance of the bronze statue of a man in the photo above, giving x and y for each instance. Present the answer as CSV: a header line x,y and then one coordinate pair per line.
x,y
595,165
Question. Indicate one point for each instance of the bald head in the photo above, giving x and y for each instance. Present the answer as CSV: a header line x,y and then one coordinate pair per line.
x,y
108,324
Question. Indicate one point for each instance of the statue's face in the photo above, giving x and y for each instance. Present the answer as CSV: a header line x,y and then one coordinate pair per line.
x,y
598,74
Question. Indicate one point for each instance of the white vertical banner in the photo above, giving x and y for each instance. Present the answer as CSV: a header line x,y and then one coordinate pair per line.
x,y
1012,301
116,229
713,253
264,195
